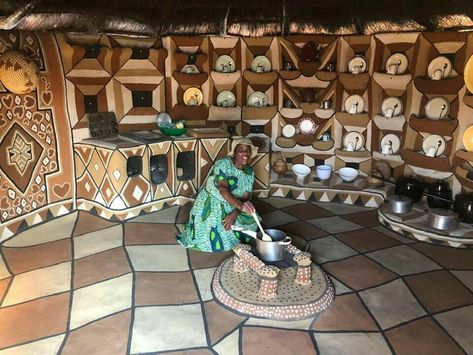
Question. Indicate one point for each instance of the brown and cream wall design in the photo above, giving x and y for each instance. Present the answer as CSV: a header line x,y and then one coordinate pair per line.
x,y
137,78
36,176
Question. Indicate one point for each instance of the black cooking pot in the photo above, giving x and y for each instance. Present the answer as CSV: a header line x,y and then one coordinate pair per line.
x,y
410,187
439,195
463,205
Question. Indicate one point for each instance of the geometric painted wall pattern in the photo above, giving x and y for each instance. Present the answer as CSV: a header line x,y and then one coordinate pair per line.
x,y
27,154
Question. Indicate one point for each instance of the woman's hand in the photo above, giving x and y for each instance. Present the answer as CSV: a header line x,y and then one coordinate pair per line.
x,y
247,207
229,221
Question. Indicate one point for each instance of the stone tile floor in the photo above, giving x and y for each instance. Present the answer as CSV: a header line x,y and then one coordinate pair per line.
x,y
83,285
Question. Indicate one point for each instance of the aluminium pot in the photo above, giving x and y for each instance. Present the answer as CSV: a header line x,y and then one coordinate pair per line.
x,y
399,203
269,251
443,219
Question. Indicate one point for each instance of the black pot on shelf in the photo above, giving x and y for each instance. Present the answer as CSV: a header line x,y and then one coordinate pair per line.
x,y
410,187
439,195
463,205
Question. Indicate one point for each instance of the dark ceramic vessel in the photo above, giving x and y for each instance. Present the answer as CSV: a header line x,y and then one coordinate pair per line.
x,y
410,187
463,205
440,195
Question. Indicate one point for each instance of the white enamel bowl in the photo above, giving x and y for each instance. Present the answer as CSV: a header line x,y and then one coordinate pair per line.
x,y
348,174
323,171
301,172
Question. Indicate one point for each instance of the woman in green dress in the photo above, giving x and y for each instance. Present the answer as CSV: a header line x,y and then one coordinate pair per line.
x,y
223,202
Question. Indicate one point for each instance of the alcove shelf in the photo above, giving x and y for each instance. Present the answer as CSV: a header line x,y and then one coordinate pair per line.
x,y
267,78
217,113
444,127
395,123
259,113
197,79
419,159
447,86
225,79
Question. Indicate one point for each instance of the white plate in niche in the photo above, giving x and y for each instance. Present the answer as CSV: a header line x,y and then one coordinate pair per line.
x,y
437,108
288,131
306,125
257,99
358,65
355,139
225,64
397,64
354,104
392,107
226,99
434,145
261,64
439,68
392,141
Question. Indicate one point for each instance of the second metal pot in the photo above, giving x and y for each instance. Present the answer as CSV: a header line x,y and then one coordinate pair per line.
x,y
442,219
399,203
274,250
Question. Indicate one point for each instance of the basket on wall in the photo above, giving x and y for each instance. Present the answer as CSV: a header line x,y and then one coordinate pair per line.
x,y
18,73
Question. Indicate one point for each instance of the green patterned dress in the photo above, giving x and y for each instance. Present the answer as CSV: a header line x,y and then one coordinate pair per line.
x,y
204,231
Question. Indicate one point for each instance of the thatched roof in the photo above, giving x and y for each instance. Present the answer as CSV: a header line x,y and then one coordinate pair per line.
x,y
237,17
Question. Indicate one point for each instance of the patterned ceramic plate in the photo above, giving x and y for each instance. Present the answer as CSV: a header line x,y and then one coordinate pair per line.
x,y
434,145
392,141
257,99
225,64
306,125
193,97
354,104
439,68
397,64
358,65
261,64
437,108
226,99
392,107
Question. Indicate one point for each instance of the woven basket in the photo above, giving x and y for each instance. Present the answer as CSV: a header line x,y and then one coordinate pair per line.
x,y
18,73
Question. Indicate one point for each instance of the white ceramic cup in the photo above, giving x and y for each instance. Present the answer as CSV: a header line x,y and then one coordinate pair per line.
x,y
350,147
192,101
225,69
189,70
392,69
389,112
259,68
431,152
386,149
438,74
356,69
352,109
324,171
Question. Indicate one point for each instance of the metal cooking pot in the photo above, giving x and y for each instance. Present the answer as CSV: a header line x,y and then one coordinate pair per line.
x,y
443,219
269,251
399,203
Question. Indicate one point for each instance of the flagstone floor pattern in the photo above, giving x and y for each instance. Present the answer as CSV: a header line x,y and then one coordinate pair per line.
x,y
80,284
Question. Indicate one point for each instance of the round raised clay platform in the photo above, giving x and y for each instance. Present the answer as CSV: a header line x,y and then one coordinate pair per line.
x,y
239,292
414,225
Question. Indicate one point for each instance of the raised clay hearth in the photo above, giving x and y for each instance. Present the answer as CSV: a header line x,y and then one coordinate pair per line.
x,y
414,224
289,290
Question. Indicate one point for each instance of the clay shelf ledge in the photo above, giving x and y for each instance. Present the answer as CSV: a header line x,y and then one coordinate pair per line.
x,y
261,78
421,160
223,79
289,74
444,127
449,86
